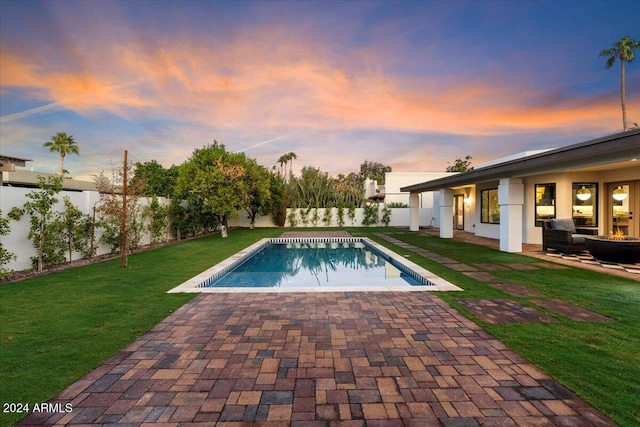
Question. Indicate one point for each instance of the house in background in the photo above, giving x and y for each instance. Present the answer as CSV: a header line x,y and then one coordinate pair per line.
x,y
390,194
29,179
595,183
9,163
394,181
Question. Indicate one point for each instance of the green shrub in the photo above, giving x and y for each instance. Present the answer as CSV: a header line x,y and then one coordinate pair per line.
x,y
386,215
371,214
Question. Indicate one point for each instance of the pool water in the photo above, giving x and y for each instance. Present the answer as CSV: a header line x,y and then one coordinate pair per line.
x,y
316,264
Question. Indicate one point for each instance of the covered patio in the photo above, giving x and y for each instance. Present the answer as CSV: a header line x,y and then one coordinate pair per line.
x,y
535,251
507,199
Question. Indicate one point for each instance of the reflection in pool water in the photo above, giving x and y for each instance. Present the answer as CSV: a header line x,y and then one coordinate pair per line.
x,y
316,264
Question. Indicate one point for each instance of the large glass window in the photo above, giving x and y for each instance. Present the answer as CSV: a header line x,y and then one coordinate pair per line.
x,y
545,202
490,206
585,204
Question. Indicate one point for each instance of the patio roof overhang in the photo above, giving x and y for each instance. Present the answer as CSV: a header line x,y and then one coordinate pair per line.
x,y
620,150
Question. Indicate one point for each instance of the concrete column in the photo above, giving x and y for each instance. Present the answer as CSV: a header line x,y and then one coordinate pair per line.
x,y
511,200
446,213
414,211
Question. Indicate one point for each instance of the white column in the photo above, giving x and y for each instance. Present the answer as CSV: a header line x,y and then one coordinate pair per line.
x,y
414,211
446,213
511,199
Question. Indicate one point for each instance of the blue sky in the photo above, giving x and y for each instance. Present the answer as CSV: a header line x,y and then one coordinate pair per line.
x,y
411,84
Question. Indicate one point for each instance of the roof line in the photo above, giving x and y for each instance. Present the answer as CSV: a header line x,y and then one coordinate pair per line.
x,y
586,153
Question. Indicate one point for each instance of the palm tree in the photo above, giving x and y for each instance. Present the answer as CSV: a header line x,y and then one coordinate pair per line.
x,y
291,156
282,161
64,144
623,49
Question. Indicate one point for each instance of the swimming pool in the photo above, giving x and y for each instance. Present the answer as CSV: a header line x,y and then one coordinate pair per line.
x,y
314,264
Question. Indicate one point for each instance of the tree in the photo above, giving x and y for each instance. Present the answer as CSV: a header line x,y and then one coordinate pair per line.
x,y
64,144
44,231
460,165
624,49
259,190
279,200
76,230
178,217
154,180
157,215
5,255
283,161
350,190
313,188
215,179
291,156
110,210
374,171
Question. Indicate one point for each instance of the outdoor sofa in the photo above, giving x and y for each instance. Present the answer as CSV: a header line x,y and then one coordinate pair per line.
x,y
562,235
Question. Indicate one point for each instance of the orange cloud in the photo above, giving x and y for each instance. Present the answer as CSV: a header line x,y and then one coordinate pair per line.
x,y
265,80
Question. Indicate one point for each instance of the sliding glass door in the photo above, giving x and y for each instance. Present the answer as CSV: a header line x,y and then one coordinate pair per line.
x,y
624,201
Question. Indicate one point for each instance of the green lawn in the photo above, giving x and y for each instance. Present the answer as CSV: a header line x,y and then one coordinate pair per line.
x,y
56,328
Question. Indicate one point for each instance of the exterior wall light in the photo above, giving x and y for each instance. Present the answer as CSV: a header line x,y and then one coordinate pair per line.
x,y
619,194
583,194
467,196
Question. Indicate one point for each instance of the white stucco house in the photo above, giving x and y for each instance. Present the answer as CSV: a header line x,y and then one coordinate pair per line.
x,y
596,183
394,181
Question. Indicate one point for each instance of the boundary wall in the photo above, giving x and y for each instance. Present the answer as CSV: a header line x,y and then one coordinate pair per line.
x,y
18,243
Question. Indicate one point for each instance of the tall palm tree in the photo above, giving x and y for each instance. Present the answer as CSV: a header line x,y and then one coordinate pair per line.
x,y
287,159
64,144
623,49
282,161
291,156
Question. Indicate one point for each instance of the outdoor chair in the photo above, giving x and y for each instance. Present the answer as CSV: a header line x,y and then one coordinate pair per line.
x,y
562,235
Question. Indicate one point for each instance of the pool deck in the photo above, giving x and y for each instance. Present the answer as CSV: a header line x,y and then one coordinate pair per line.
x,y
319,359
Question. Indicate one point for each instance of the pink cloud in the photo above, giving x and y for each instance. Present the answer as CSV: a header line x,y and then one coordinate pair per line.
x,y
263,79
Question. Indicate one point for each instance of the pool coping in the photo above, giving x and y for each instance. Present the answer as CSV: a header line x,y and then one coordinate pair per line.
x,y
194,285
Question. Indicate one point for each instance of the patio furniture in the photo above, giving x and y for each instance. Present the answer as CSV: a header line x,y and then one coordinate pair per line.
x,y
562,235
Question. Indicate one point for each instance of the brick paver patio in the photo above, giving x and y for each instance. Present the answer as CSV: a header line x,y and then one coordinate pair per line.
x,y
319,359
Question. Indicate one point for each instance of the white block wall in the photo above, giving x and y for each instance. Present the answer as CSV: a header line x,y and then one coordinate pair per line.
x,y
17,241
399,217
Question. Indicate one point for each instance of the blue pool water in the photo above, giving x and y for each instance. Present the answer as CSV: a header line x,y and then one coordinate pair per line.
x,y
316,264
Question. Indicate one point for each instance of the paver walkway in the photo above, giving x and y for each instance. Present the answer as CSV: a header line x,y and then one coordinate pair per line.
x,y
319,359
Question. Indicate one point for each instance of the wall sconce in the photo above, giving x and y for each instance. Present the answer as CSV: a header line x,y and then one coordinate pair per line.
x,y
619,194
467,196
583,194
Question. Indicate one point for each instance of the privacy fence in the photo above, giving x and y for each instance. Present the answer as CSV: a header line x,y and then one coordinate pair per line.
x,y
18,242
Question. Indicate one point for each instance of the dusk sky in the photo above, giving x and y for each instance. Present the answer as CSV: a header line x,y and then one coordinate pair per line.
x,y
411,84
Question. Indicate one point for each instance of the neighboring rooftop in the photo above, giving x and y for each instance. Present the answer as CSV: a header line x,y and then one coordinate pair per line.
x,y
29,179
9,163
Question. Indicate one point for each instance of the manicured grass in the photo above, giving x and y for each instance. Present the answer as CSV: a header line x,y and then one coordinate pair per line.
x,y
598,361
56,328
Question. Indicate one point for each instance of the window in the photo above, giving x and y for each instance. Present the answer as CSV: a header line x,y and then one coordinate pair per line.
x,y
490,206
585,204
545,202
